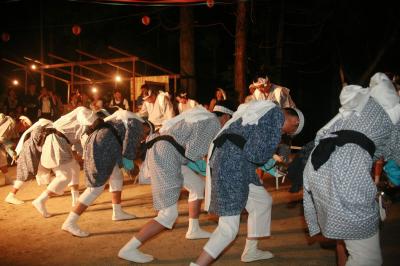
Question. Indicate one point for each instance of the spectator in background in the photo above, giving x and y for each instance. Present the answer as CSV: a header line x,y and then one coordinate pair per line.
x,y
58,106
31,103
119,101
220,95
85,100
157,107
11,103
97,102
184,103
46,104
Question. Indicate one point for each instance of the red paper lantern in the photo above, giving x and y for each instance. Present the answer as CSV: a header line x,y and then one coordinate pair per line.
x,y
145,20
76,30
210,3
5,36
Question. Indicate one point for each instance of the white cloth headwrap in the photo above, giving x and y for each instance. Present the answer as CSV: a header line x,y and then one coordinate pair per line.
x,y
223,93
193,115
301,121
222,109
384,92
41,122
86,117
123,115
7,128
70,119
259,95
250,112
26,120
353,99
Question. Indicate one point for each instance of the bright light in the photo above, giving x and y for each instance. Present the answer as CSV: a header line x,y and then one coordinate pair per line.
x,y
15,82
94,89
118,78
33,67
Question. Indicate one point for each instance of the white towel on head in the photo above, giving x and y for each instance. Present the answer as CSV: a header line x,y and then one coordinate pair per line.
x,y
193,115
41,122
384,92
123,115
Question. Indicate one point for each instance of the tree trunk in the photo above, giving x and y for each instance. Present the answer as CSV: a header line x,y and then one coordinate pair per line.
x,y
240,50
188,80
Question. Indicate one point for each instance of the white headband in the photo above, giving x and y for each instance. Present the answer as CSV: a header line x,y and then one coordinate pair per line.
x,y
222,109
301,121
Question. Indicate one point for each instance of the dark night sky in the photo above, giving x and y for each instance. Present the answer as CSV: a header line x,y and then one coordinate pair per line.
x,y
318,36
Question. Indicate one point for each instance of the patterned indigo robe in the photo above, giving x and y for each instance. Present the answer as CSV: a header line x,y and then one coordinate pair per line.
x,y
164,161
103,151
339,198
29,158
233,169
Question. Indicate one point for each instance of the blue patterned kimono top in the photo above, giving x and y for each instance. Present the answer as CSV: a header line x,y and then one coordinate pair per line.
x,y
233,169
103,151
339,198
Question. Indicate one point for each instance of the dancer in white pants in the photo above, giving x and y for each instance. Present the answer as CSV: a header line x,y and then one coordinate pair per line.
x,y
183,138
247,140
109,145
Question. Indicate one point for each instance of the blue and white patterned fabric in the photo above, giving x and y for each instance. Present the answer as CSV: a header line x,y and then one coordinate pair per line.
x,y
233,169
339,198
164,161
103,151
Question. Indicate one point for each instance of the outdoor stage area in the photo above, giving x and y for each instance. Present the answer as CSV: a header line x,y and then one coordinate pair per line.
x,y
26,238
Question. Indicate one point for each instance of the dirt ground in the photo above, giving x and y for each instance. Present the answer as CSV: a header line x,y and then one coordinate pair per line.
x,y
26,238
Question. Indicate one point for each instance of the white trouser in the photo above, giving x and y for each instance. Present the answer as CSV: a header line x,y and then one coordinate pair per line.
x,y
364,252
90,195
193,183
166,217
258,206
64,174
75,175
116,179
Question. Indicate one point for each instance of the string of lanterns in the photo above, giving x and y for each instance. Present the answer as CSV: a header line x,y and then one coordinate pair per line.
x,y
76,29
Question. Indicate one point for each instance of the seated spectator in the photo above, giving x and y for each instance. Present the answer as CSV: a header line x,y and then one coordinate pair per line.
x,y
184,103
119,101
220,95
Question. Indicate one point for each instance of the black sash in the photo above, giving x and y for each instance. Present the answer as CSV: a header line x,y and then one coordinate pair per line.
x,y
324,149
99,124
171,140
47,131
236,139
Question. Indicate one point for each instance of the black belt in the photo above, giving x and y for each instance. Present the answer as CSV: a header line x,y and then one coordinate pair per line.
x,y
99,124
171,140
47,131
236,139
326,147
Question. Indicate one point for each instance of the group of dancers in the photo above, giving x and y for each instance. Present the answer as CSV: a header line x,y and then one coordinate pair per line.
x,y
227,145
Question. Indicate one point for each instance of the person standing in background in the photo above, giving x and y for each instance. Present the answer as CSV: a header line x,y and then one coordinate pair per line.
x,y
31,104
119,101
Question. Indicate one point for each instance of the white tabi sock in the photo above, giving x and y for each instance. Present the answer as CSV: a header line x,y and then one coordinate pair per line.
x,y
194,230
252,253
18,184
119,214
75,197
12,199
70,225
130,252
40,204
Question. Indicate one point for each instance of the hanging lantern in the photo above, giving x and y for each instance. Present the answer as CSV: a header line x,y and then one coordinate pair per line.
x,y
146,20
210,3
5,36
76,30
